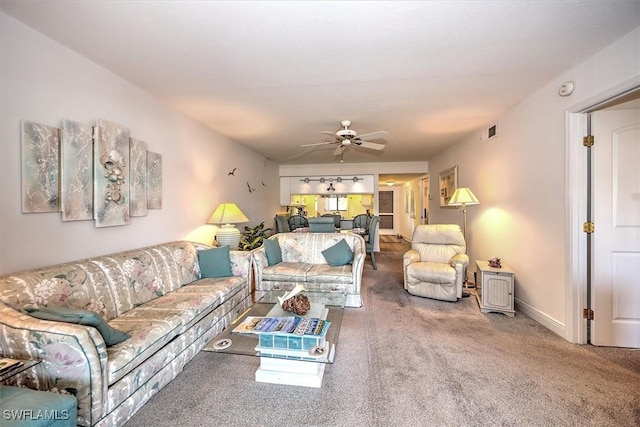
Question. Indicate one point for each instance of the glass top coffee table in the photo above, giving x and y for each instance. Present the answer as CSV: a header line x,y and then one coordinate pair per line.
x,y
286,358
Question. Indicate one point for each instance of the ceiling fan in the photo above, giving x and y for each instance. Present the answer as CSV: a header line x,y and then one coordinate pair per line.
x,y
346,138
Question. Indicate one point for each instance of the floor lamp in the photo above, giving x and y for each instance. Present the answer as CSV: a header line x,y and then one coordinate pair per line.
x,y
463,197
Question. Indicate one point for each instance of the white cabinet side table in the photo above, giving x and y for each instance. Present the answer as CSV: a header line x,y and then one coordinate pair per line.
x,y
494,288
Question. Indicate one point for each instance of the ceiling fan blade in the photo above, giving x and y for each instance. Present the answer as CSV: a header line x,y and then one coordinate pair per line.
x,y
339,150
372,135
319,143
295,156
371,145
333,135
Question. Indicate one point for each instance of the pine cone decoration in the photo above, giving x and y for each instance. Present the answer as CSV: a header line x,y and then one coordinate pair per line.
x,y
298,304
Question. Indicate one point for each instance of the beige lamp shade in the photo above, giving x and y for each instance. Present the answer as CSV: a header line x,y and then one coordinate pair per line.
x,y
225,215
463,197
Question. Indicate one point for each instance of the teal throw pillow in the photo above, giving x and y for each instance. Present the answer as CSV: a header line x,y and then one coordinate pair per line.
x,y
338,254
274,253
215,262
110,335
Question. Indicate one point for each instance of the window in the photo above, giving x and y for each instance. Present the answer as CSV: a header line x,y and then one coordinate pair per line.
x,y
335,203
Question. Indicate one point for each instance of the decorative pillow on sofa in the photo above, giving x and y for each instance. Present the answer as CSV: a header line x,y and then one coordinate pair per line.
x,y
273,251
110,335
338,254
215,262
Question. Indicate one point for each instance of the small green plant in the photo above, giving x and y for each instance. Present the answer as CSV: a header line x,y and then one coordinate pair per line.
x,y
253,237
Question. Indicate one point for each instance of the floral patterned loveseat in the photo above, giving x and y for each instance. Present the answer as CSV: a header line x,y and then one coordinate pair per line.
x,y
154,294
304,264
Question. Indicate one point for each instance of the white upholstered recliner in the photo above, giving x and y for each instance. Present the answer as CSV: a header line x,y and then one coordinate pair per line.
x,y
435,265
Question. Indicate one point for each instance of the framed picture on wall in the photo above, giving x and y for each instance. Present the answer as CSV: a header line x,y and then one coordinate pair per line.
x,y
448,183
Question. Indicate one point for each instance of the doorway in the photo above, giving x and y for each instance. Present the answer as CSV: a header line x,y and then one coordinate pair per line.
x,y
385,212
603,304
424,200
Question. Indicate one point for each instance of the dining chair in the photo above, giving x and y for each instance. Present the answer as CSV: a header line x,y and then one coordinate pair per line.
x,y
322,225
297,221
370,241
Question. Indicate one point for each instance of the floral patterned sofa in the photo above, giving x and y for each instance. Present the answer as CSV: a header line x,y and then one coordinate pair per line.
x,y
154,294
304,264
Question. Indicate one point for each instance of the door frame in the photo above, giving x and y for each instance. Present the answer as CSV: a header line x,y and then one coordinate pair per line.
x,y
425,196
576,203
394,214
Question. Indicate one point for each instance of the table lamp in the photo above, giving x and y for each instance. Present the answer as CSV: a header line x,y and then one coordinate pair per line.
x,y
226,215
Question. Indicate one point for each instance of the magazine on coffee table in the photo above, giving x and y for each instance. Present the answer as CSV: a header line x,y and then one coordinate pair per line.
x,y
293,325
7,364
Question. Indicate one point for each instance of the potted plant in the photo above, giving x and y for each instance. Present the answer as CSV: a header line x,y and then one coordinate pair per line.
x,y
252,237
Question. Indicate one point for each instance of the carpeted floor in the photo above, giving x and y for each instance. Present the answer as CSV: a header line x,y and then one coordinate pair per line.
x,y
408,361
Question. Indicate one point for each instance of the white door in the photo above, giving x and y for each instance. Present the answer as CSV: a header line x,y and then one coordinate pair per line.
x,y
616,240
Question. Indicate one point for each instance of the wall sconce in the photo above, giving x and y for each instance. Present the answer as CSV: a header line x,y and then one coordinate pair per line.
x,y
339,179
322,180
356,179
306,180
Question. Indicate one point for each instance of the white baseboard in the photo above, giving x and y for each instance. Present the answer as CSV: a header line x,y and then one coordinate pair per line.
x,y
543,318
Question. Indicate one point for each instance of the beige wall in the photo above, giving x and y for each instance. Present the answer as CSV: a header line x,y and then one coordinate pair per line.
x,y
44,82
520,179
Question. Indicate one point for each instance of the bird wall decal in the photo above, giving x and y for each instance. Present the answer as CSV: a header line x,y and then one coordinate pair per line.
x,y
251,189
233,172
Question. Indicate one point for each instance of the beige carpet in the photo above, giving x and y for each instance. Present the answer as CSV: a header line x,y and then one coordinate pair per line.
x,y
406,361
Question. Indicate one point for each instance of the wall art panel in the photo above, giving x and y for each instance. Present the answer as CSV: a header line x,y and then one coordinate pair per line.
x,y
76,171
154,164
111,176
40,163
138,182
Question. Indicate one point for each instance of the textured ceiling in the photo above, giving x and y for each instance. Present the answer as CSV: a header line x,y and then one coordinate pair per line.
x,y
273,75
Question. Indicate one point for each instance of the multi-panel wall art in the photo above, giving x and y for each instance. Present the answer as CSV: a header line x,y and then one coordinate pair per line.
x,y
155,180
138,178
111,174
89,172
76,170
40,159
